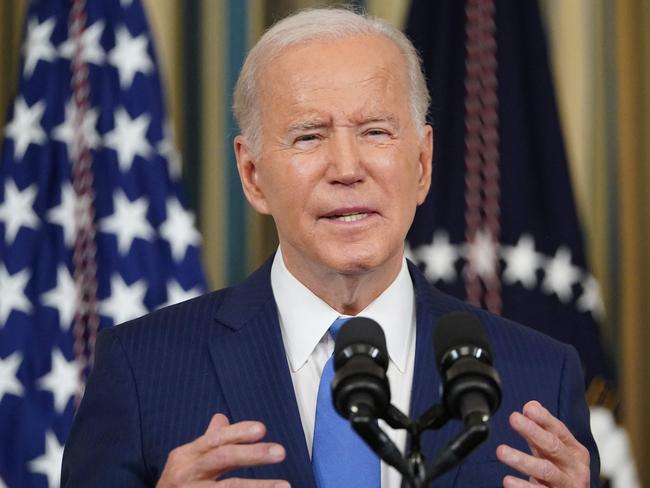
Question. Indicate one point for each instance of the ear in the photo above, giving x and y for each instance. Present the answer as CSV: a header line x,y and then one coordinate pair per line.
x,y
247,166
425,163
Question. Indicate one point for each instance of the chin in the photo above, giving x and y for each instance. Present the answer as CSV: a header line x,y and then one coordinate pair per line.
x,y
349,262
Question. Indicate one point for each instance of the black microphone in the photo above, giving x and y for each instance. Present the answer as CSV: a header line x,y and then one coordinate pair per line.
x,y
360,383
471,388
360,388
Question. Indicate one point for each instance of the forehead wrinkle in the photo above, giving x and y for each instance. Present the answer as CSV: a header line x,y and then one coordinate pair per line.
x,y
304,92
305,86
373,107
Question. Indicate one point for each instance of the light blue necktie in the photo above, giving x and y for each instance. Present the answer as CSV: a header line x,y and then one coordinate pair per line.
x,y
340,458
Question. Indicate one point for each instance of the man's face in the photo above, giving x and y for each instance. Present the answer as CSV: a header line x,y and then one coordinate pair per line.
x,y
341,166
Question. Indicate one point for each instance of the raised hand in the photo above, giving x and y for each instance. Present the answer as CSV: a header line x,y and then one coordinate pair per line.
x,y
222,448
558,460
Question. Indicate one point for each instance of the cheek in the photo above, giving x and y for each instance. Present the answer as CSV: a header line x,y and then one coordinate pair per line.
x,y
288,184
301,172
399,176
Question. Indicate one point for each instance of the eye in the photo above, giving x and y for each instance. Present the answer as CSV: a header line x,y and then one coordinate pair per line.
x,y
307,141
377,133
307,138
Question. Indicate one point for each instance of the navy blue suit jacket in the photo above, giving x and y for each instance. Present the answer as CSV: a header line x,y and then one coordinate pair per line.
x,y
158,380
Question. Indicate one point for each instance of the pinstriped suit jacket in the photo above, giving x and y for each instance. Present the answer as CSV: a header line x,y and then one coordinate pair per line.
x,y
158,380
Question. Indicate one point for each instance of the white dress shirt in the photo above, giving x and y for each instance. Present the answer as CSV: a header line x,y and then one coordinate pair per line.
x,y
305,320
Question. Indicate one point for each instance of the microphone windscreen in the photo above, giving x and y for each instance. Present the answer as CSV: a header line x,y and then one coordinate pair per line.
x,y
361,330
458,329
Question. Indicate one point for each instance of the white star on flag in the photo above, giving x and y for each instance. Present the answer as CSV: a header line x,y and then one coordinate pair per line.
x,y
130,56
17,210
167,150
125,302
176,293
112,108
63,214
25,127
129,138
178,229
128,221
65,131
560,275
37,45
439,257
62,380
49,464
9,384
63,297
481,253
591,299
91,48
522,262
12,293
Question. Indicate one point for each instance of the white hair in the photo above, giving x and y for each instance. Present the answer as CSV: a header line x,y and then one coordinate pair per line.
x,y
322,24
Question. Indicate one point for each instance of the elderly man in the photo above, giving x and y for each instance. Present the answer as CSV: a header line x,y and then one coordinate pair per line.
x,y
224,390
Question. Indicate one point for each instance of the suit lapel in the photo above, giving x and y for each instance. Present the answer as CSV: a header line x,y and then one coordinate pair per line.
x,y
250,360
426,380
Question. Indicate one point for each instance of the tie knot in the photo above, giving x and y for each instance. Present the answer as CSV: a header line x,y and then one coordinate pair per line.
x,y
336,326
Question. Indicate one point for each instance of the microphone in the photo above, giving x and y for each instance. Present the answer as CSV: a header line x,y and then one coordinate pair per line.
x,y
471,387
360,383
471,392
360,388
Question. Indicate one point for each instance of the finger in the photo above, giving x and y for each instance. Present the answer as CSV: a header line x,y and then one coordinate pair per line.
x,y
245,483
542,443
543,470
512,482
204,442
537,413
221,432
240,432
222,459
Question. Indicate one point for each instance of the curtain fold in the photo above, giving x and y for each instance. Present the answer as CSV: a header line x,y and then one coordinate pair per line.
x,y
632,23
12,16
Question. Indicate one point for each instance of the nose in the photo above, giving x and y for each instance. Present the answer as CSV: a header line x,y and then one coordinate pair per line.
x,y
345,161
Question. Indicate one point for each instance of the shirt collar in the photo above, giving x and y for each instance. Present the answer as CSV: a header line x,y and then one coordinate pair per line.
x,y
305,318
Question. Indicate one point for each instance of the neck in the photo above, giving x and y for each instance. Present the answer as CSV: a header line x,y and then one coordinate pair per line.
x,y
347,293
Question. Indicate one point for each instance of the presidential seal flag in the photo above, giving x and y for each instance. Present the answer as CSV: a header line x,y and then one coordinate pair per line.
x,y
94,229
500,228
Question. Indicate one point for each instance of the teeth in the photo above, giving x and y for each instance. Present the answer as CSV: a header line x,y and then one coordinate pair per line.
x,y
351,217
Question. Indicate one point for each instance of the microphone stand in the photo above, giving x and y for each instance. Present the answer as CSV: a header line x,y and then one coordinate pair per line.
x,y
415,471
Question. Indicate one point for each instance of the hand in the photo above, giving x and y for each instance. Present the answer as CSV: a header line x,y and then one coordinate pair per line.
x,y
222,448
558,460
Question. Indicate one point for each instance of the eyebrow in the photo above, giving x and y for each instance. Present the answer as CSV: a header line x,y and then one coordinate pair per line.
x,y
381,117
318,123
306,125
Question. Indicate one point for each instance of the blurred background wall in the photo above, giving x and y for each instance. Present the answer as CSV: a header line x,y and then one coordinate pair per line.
x,y
600,51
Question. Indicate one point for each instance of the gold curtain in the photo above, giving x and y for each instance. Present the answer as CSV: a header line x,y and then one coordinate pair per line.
x,y
601,59
633,66
11,25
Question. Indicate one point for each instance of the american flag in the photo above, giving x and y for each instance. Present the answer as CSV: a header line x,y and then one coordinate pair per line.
x,y
500,227
94,228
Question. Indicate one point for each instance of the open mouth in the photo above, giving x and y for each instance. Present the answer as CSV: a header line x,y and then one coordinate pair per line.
x,y
352,217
